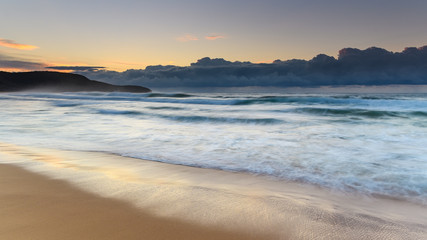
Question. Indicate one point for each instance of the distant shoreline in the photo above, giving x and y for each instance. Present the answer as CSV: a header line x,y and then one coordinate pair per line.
x,y
58,82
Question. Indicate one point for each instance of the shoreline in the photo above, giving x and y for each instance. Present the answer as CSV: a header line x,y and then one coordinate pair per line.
x,y
223,201
34,206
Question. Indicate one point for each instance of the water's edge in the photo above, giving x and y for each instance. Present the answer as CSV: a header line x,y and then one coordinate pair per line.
x,y
224,199
373,144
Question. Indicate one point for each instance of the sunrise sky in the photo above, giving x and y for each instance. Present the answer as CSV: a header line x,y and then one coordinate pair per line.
x,y
131,34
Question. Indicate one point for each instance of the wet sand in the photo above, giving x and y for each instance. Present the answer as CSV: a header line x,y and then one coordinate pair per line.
x,y
36,207
56,194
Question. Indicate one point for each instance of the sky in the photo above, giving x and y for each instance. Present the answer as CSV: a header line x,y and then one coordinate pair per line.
x,y
132,34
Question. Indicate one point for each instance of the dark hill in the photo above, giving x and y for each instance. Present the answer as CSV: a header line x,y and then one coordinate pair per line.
x,y
58,82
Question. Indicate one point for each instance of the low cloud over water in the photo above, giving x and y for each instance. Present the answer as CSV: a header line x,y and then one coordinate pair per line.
x,y
372,66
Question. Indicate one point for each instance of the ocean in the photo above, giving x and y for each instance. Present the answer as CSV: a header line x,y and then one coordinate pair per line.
x,y
369,144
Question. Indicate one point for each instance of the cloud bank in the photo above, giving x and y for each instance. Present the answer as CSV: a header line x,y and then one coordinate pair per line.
x,y
11,44
10,63
75,68
372,66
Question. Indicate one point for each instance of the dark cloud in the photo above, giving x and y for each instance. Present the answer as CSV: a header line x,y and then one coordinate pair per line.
x,y
372,66
75,68
7,62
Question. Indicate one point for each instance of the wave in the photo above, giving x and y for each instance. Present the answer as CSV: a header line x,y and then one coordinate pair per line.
x,y
398,102
66,104
297,99
118,112
171,95
182,98
419,114
366,97
165,108
192,118
196,119
360,112
132,97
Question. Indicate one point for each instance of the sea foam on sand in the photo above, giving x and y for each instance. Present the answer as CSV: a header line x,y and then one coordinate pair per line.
x,y
234,201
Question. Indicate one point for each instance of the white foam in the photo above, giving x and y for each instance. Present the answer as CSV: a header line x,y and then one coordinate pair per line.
x,y
384,155
227,200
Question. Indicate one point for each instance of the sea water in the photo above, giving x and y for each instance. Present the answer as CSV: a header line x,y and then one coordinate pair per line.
x,y
373,144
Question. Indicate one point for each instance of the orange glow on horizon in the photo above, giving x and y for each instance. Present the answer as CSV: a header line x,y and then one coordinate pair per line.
x,y
16,70
268,61
32,70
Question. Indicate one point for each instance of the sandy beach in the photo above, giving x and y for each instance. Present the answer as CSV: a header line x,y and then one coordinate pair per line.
x,y
35,207
55,194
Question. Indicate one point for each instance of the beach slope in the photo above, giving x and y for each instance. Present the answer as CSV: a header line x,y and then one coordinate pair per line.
x,y
95,195
35,207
